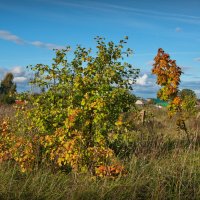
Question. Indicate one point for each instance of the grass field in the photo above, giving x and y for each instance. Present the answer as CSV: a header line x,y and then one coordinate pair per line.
x,y
160,164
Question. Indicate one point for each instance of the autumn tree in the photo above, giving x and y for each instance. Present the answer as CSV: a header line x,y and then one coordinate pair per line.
x,y
168,77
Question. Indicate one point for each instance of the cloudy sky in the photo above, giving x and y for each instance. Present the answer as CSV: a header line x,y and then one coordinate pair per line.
x,y
30,29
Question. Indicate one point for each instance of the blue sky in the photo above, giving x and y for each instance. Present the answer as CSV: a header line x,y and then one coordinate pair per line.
x,y
29,29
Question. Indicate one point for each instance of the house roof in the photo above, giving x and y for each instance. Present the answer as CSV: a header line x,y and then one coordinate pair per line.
x,y
160,102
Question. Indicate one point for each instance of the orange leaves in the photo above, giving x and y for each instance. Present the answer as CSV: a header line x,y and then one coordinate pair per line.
x,y
177,101
100,154
4,127
73,114
5,139
16,148
72,117
63,149
168,73
24,155
109,171
168,77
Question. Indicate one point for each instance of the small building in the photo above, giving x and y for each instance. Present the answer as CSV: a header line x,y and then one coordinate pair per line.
x,y
159,102
139,102
149,100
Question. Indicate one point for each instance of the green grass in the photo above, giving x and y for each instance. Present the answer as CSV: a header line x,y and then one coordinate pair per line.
x,y
175,176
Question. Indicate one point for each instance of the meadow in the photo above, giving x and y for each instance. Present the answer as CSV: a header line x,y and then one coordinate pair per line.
x,y
159,163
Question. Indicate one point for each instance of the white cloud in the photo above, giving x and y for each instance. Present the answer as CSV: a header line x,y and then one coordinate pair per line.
x,y
20,79
18,71
6,35
46,45
142,80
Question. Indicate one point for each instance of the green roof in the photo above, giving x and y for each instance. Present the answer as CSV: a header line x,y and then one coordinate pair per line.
x,y
160,102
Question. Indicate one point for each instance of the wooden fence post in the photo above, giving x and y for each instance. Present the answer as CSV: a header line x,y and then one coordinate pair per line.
x,y
142,116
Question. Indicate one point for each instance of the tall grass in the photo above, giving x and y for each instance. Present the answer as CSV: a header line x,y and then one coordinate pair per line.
x,y
176,176
160,164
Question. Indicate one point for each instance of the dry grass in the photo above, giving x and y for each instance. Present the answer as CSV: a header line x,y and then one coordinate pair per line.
x,y
160,164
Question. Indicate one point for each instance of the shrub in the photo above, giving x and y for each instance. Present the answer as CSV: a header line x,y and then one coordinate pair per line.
x,y
70,120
